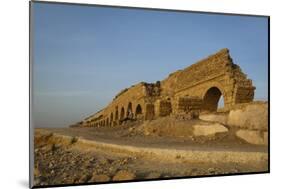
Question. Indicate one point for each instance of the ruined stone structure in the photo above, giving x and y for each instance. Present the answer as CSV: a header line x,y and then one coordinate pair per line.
x,y
184,93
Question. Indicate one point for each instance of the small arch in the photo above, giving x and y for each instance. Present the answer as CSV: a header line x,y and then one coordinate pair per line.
x,y
122,113
211,99
111,118
138,110
129,110
116,113
107,121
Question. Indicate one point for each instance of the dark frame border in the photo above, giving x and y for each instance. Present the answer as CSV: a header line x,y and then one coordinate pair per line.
x,y
31,129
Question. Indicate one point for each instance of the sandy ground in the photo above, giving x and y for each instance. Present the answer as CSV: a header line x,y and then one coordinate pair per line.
x,y
58,161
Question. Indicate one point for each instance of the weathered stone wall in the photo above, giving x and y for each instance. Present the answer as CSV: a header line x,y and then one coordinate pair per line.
x,y
163,108
187,107
185,92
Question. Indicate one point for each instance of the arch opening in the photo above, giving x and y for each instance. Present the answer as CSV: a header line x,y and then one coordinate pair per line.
x,y
122,113
138,111
129,111
111,118
116,113
213,99
107,121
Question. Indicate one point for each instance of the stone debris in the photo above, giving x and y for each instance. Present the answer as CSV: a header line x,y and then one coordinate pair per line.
x,y
253,137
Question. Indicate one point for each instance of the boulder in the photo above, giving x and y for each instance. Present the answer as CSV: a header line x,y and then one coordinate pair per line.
x,y
208,130
253,116
100,178
124,175
253,136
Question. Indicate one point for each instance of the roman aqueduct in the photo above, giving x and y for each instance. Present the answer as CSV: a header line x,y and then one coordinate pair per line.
x,y
185,93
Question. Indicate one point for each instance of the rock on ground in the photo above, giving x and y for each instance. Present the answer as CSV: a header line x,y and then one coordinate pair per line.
x,y
220,118
253,137
100,178
124,175
250,116
208,130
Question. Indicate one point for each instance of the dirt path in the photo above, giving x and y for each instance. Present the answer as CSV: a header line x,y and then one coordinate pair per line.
x,y
120,136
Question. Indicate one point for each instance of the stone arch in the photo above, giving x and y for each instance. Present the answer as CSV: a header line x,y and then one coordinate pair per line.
x,y
116,113
211,98
111,118
122,113
107,121
129,112
138,110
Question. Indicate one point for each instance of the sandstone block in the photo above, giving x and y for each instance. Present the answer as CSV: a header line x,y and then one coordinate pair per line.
x,y
220,118
208,130
253,137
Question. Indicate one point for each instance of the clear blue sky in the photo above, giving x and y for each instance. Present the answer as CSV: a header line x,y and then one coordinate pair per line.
x,y
84,55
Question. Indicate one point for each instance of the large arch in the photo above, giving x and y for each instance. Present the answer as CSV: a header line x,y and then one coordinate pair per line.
x,y
211,99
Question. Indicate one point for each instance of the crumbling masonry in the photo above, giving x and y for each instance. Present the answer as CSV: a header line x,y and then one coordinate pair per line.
x,y
183,94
